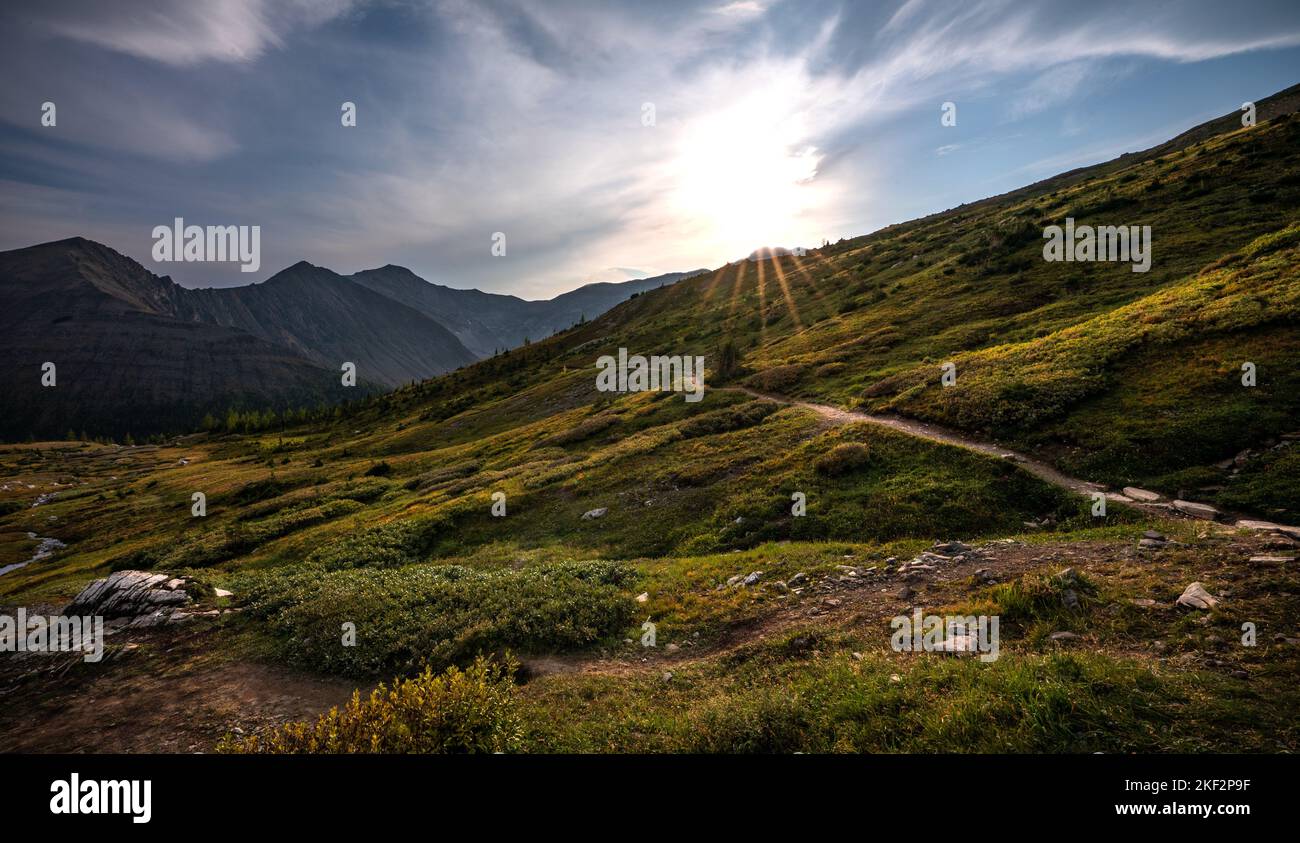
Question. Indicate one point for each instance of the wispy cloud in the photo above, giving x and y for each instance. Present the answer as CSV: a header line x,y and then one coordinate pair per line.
x,y
773,121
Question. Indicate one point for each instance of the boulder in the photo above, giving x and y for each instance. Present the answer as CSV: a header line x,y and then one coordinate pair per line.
x,y
129,594
595,513
1141,495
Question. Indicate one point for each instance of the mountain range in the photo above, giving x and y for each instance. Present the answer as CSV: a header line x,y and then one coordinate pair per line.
x,y
929,415
134,352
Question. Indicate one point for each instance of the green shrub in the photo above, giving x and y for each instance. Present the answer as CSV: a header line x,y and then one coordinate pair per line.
x,y
730,418
582,430
435,614
842,459
452,713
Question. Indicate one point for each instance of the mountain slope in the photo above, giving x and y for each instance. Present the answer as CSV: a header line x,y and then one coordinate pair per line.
x,y
685,515
122,362
328,319
869,321
488,322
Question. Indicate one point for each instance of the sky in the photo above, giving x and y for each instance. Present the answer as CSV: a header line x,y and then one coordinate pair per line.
x,y
597,141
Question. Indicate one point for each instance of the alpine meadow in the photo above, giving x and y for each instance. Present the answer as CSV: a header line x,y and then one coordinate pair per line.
x,y
994,449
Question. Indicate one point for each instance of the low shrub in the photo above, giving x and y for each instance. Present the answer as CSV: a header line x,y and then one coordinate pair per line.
x,y
452,713
435,614
843,459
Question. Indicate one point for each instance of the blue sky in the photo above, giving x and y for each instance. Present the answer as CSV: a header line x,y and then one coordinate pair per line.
x,y
775,123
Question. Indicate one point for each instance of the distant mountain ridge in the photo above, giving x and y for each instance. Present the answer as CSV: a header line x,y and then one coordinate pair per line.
x,y
488,322
136,352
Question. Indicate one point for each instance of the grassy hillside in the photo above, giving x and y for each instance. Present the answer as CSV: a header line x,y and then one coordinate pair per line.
x,y
382,515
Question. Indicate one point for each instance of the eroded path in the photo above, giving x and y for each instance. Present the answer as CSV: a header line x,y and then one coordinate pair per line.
x,y
936,433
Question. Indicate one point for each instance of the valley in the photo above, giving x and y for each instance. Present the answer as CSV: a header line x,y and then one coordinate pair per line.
x,y
1167,623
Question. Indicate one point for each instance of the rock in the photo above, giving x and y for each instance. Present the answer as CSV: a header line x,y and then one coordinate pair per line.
x,y
1063,636
1271,560
1196,510
595,513
957,645
174,583
752,578
952,548
780,586
221,592
1141,495
1152,544
643,597
668,676
1154,536
1268,527
798,579
1196,597
127,594
905,593
1144,602
671,648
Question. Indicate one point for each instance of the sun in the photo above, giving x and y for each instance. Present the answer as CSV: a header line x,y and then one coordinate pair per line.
x,y
742,178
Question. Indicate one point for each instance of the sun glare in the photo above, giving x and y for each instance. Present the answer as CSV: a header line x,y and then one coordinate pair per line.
x,y
743,179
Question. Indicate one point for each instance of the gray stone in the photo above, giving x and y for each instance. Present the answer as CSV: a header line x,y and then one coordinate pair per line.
x,y
1196,510
1196,597
595,513
129,594
1268,527
1141,495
